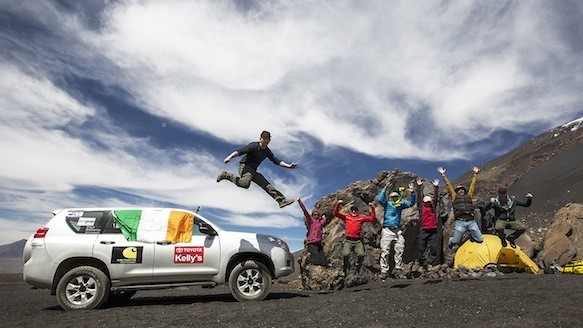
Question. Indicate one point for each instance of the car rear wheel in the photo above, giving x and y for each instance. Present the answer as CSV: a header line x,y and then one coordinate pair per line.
x,y
82,288
250,281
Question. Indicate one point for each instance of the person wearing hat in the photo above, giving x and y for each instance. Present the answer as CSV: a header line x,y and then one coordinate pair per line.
x,y
504,212
314,224
428,231
463,209
353,225
391,230
253,154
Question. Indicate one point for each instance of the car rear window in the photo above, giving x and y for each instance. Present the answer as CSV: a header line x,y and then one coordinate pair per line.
x,y
90,222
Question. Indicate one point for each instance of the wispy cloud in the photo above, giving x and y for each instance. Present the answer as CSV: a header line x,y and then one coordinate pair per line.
x,y
349,75
45,160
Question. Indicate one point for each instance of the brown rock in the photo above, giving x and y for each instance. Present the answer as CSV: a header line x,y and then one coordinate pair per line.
x,y
563,241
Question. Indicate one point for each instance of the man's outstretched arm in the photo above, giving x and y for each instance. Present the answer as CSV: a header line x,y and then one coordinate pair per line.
x,y
230,157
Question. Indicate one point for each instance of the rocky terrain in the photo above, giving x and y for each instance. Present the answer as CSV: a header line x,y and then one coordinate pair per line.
x,y
547,166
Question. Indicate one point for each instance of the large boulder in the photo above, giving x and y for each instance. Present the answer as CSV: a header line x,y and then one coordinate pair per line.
x,y
563,241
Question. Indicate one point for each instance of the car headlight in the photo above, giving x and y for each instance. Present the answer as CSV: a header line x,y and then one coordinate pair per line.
x,y
279,242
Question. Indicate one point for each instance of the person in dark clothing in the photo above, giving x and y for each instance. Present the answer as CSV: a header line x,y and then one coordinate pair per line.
x,y
463,209
353,225
314,236
253,154
428,231
504,212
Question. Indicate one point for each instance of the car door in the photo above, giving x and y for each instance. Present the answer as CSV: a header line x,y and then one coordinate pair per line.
x,y
128,262
197,260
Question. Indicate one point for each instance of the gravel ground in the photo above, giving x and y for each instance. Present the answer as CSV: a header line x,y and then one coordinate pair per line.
x,y
512,300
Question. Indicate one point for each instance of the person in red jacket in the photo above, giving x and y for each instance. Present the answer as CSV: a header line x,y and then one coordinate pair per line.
x,y
428,231
314,236
353,222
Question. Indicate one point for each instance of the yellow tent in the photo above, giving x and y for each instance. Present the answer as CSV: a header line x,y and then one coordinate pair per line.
x,y
479,255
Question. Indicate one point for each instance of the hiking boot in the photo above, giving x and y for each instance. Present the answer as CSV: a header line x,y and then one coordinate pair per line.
x,y
504,243
512,244
222,176
285,202
396,274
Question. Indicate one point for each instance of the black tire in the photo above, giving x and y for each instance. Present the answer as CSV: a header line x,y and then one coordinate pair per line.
x,y
121,296
83,288
250,281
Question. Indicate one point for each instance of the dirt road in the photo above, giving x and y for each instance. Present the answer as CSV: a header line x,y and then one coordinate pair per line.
x,y
512,300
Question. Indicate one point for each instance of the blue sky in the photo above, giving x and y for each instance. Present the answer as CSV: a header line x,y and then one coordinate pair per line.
x,y
137,103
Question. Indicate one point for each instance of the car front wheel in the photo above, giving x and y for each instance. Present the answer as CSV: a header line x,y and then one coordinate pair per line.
x,y
82,288
250,281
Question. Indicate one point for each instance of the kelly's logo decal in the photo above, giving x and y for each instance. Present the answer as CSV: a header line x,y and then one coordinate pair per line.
x,y
127,255
188,255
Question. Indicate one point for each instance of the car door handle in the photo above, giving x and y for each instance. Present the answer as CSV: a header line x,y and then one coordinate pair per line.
x,y
163,242
107,242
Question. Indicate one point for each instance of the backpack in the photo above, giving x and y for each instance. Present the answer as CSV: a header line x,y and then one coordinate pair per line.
x,y
575,267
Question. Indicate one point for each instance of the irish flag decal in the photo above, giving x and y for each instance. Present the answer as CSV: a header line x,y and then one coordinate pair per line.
x,y
155,225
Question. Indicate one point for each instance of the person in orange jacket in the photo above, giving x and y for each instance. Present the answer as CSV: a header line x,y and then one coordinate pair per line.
x,y
353,242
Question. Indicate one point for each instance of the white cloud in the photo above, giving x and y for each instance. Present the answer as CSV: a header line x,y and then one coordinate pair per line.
x,y
43,162
331,70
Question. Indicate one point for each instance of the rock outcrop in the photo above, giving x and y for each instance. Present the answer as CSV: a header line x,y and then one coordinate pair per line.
x,y
361,193
563,241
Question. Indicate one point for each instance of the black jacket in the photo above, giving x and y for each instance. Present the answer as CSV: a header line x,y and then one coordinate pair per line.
x,y
506,211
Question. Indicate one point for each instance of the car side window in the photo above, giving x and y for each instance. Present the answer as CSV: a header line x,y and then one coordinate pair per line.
x,y
87,222
110,225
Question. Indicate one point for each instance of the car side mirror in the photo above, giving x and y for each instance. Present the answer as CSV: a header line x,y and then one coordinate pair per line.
x,y
206,229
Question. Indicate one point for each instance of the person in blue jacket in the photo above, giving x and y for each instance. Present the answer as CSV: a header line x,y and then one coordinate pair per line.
x,y
391,230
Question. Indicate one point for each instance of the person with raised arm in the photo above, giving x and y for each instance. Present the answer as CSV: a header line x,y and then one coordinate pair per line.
x,y
353,226
504,212
314,223
463,209
391,230
253,154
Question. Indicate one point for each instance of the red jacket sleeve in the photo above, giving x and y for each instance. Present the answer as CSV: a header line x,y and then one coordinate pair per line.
x,y
337,213
372,217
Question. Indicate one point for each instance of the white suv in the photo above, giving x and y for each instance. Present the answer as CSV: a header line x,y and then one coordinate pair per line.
x,y
86,257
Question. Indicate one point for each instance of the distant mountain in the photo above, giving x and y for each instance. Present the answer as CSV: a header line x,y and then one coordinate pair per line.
x,y
548,166
13,250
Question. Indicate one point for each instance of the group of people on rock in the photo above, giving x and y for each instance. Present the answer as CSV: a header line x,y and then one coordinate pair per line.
x,y
462,202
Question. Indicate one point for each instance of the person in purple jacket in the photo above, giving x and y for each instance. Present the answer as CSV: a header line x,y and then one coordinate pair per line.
x,y
314,236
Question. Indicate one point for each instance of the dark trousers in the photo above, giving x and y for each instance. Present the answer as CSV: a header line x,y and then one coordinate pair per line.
x,y
248,175
518,227
427,242
317,256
